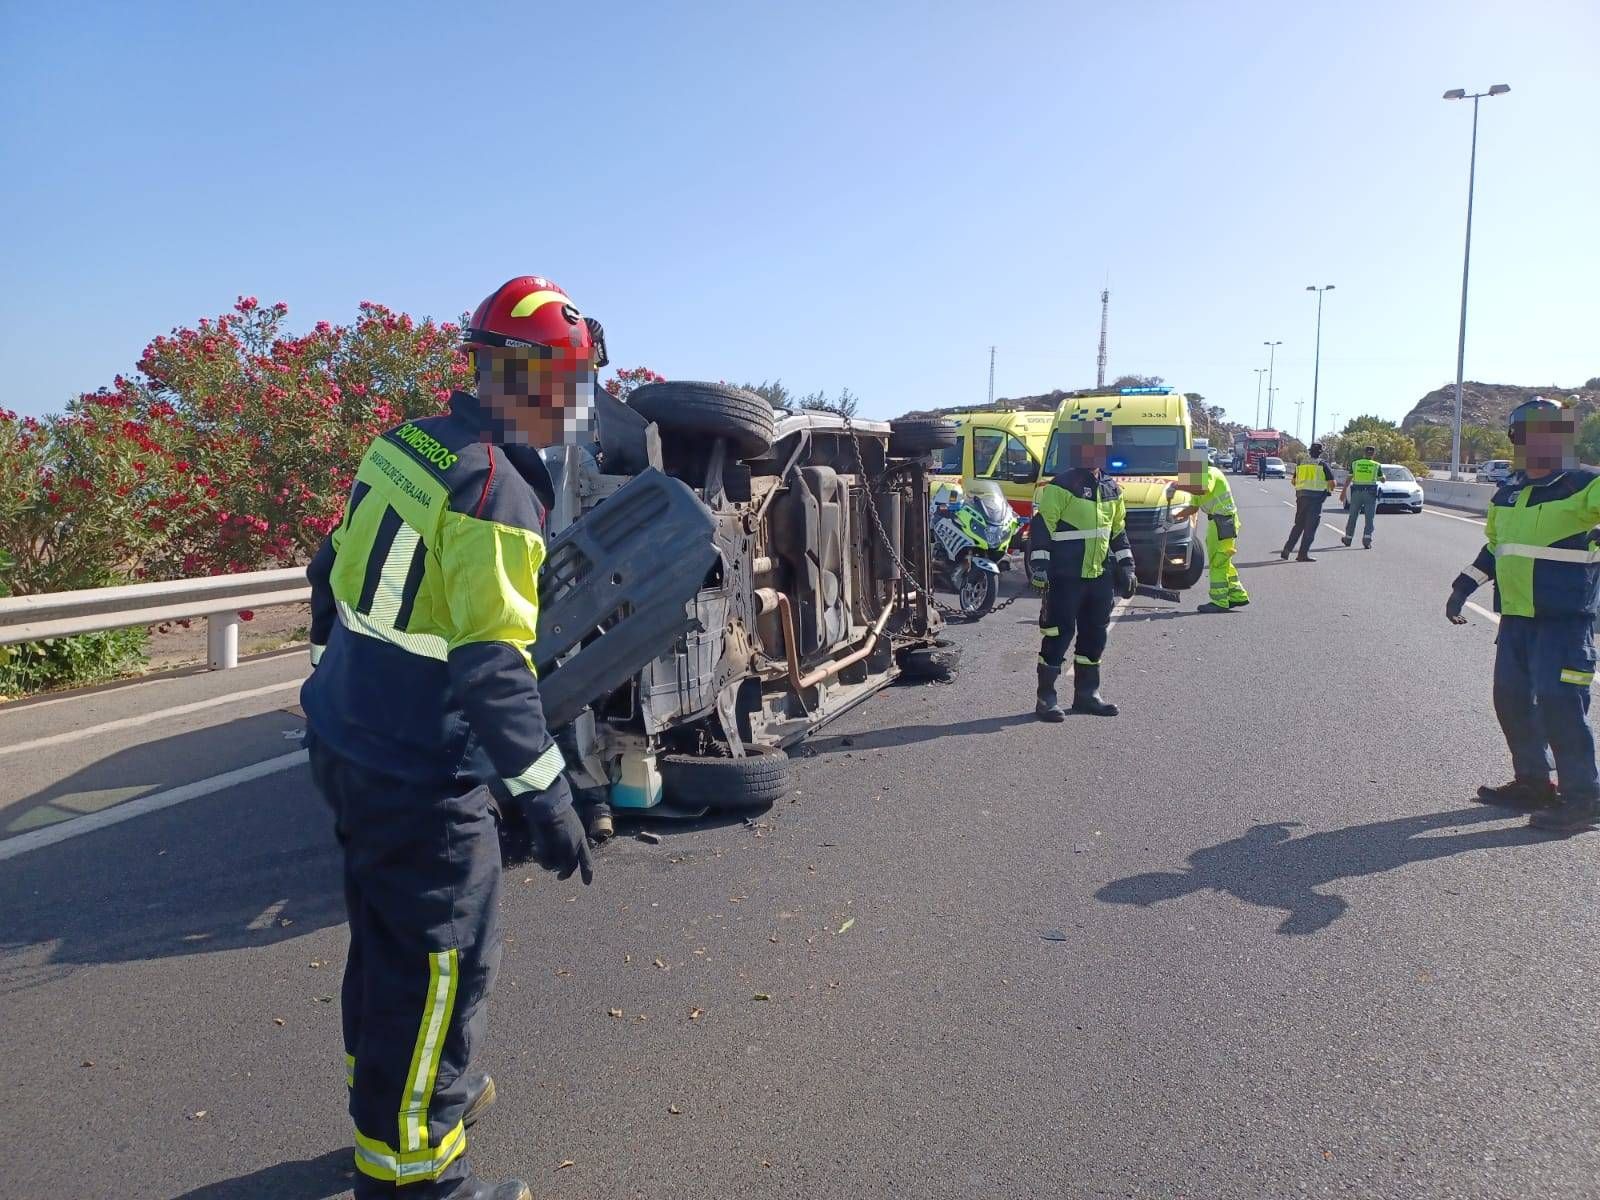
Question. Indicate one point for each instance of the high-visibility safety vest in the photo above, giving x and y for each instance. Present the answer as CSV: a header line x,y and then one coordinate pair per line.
x,y
424,604
1364,472
1542,549
1216,501
1311,477
1082,518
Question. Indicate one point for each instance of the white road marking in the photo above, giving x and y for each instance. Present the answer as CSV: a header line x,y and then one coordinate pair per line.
x,y
268,915
181,710
78,826
1484,612
118,688
1434,512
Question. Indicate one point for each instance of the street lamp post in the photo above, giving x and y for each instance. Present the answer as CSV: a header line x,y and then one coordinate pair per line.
x,y
1499,89
1272,354
1316,370
1260,372
1298,405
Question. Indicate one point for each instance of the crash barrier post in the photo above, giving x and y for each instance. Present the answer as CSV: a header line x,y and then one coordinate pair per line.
x,y
218,598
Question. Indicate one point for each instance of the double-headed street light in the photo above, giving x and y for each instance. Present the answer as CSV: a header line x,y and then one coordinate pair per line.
x,y
1260,372
1272,353
1316,370
1499,89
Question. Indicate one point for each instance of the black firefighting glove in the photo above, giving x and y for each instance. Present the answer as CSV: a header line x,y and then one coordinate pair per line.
x,y
1452,607
545,828
1127,578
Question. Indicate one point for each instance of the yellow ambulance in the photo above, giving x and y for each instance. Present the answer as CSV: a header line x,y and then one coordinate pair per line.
x,y
1149,426
999,450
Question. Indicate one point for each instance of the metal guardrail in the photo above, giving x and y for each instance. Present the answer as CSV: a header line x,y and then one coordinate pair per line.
x,y
217,598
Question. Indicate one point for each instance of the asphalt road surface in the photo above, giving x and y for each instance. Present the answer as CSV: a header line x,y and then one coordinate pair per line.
x,y
1252,938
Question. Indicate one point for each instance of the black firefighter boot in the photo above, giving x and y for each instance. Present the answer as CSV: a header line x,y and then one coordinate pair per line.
x,y
1046,708
480,1098
1086,692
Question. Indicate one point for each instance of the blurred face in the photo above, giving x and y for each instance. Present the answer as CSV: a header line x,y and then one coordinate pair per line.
x,y
1545,443
1192,471
541,395
1090,446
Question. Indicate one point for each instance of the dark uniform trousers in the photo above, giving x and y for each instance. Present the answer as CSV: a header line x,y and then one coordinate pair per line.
x,y
422,883
1076,606
1307,515
1541,696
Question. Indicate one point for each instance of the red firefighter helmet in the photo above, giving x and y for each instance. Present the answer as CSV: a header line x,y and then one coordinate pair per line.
x,y
530,311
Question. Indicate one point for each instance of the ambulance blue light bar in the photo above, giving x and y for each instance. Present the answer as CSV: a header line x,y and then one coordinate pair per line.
x,y
1155,391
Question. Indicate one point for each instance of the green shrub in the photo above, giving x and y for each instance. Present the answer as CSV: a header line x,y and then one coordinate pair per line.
x,y
70,661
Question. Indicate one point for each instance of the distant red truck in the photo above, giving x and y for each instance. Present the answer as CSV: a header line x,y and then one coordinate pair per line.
x,y
1255,444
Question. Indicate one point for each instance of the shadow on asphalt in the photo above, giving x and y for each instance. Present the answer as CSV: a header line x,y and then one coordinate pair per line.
x,y
908,735
148,767
248,867
1270,867
307,1179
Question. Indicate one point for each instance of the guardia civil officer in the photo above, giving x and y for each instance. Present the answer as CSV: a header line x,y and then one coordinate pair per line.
x,y
1362,494
1313,484
1078,537
1541,553
425,731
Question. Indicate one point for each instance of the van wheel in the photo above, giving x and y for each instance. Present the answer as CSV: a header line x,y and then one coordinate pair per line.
x,y
749,784
915,436
926,664
709,410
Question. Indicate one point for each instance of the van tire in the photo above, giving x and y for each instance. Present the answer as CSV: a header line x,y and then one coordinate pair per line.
x,y
916,436
705,410
731,785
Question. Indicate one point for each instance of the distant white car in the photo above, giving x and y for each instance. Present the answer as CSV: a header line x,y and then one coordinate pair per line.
x,y
1275,469
1496,470
1398,488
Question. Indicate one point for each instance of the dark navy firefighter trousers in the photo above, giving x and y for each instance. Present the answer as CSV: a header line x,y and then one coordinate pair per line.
x,y
422,883
1543,667
1080,607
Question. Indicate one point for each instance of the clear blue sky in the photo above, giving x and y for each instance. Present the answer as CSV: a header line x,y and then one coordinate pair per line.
x,y
861,195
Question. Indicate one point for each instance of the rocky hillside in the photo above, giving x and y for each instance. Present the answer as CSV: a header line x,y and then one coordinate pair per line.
x,y
1488,404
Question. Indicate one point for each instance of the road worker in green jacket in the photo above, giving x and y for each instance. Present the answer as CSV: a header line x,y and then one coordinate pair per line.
x,y
1214,497
1542,553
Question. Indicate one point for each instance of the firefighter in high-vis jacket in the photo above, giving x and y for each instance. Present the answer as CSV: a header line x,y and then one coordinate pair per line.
x,y
1214,497
1078,538
426,732
1542,554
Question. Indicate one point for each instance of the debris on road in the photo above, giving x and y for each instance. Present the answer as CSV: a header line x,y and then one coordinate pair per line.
x,y
696,1013
1053,935
615,1012
845,926
674,1110
761,996
661,965
564,1164
653,839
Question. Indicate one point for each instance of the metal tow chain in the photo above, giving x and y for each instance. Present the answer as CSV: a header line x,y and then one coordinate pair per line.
x,y
877,523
